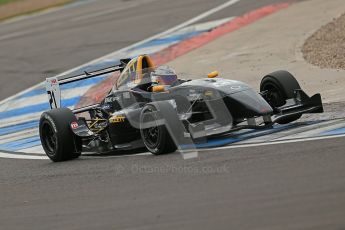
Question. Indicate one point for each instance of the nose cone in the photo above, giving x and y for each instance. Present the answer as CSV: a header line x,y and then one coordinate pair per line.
x,y
249,103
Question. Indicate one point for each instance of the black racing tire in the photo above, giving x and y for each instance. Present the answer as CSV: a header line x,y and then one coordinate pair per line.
x,y
280,86
57,138
156,139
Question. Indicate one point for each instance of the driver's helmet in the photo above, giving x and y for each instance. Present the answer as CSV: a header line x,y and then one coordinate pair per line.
x,y
164,75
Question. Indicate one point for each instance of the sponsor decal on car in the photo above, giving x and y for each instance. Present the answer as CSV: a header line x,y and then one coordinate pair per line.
x,y
117,119
74,125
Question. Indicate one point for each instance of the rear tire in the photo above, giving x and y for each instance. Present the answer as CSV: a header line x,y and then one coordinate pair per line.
x,y
156,139
58,141
280,86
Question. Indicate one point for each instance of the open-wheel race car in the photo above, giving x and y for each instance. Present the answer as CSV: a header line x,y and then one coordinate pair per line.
x,y
151,107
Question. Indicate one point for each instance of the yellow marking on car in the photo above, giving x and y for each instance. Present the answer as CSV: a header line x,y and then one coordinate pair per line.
x,y
117,119
158,88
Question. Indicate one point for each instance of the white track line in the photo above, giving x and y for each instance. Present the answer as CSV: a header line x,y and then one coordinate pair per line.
x,y
296,132
272,143
205,25
18,135
313,132
24,157
12,121
35,150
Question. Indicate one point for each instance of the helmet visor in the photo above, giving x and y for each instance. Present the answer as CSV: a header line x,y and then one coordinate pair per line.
x,y
166,79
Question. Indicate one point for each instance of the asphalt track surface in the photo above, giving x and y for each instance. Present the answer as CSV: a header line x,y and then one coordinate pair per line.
x,y
287,186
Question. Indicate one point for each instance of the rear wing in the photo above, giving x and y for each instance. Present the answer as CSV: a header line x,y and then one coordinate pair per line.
x,y
53,83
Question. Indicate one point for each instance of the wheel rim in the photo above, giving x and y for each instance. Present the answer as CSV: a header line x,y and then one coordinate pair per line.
x,y
49,138
274,96
151,135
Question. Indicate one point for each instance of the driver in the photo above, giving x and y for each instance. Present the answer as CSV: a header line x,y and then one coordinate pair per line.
x,y
163,75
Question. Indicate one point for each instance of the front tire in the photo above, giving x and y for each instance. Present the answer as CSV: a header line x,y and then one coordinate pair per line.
x,y
280,86
58,141
156,138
